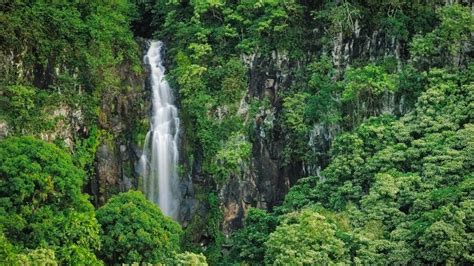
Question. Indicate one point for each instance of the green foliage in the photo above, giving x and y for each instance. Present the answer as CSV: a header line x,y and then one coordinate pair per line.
x,y
249,242
190,259
294,110
38,172
90,37
411,84
382,157
41,200
76,255
349,151
313,101
264,23
86,148
445,45
133,229
20,102
27,109
208,225
10,255
370,80
213,229
408,179
210,99
70,53
230,26
305,237
339,17
401,186
232,158
321,105
365,91
296,126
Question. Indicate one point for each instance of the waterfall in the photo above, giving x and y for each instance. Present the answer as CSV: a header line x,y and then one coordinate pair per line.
x,y
158,163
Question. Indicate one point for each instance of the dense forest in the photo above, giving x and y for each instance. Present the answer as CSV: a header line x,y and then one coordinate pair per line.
x,y
311,132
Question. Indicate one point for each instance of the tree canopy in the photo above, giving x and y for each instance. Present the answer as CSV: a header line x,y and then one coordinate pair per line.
x,y
134,229
41,202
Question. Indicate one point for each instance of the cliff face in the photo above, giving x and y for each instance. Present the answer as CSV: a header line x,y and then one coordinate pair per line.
x,y
125,114
106,144
265,182
118,153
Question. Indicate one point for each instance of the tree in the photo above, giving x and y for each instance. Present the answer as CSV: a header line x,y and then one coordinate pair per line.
x,y
41,204
189,259
249,242
307,238
134,229
366,90
406,179
447,44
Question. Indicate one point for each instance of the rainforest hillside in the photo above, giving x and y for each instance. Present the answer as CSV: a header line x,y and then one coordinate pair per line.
x,y
305,132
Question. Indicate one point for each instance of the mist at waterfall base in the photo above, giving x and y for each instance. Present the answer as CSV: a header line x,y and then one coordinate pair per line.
x,y
158,163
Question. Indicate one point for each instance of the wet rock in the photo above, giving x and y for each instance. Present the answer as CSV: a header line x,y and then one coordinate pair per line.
x,y
107,172
3,130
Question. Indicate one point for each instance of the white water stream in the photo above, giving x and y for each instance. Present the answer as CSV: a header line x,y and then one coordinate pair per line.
x,y
159,160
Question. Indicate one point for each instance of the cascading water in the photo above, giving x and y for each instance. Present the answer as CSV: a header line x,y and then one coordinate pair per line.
x,y
158,163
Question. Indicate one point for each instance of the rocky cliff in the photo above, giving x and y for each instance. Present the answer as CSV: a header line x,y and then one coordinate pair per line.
x,y
265,182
